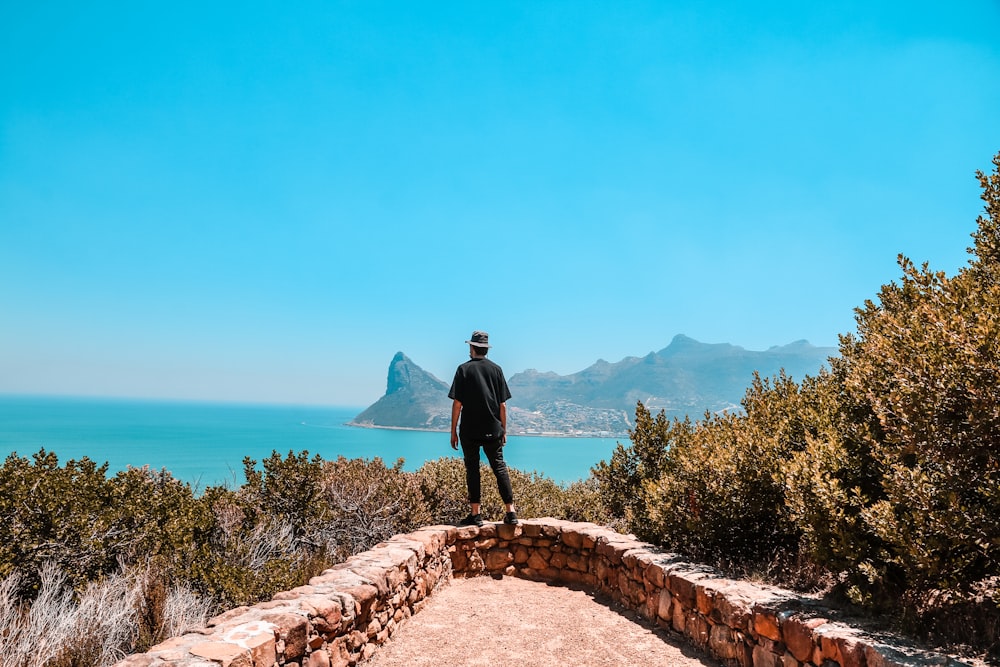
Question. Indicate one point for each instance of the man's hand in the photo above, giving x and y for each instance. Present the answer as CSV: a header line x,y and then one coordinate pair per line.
x,y
456,411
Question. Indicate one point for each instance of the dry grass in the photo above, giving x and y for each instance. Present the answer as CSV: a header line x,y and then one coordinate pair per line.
x,y
183,611
96,627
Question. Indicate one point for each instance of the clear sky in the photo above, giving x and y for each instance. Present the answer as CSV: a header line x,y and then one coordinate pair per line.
x,y
265,201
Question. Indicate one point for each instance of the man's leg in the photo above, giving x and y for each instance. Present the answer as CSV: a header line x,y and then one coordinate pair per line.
x,y
494,454
470,452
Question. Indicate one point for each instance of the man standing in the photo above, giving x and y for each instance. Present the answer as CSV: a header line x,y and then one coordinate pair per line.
x,y
479,393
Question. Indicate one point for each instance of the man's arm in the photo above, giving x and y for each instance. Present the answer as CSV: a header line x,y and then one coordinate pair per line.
x,y
456,410
503,423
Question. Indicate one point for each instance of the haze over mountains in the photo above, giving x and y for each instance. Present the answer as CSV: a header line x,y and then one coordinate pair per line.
x,y
685,378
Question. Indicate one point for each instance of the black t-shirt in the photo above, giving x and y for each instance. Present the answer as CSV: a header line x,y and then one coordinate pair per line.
x,y
480,387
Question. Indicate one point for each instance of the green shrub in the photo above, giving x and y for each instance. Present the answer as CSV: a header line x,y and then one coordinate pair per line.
x,y
622,481
926,363
884,471
367,502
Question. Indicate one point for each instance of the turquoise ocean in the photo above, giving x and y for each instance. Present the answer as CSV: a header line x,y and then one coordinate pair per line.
x,y
205,443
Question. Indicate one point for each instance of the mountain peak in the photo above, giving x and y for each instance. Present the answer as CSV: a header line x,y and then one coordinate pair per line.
x,y
685,345
399,373
413,399
404,374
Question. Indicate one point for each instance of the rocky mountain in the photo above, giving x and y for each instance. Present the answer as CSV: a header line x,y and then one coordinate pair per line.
x,y
685,378
413,399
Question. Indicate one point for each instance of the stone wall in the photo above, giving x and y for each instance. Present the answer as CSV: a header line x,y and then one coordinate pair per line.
x,y
342,616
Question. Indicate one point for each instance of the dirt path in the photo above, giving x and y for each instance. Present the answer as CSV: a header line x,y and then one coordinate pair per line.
x,y
485,622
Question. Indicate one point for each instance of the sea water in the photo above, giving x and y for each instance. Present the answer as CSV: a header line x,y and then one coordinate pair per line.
x,y
205,443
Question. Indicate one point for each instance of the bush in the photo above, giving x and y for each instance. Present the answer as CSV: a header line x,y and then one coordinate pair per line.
x,y
926,363
368,502
884,471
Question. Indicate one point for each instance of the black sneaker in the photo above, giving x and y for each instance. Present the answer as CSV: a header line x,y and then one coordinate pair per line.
x,y
510,518
471,520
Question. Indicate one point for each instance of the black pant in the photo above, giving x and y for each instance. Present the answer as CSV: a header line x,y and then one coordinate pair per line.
x,y
494,454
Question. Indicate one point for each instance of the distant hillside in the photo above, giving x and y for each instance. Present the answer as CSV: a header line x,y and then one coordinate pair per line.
x,y
685,378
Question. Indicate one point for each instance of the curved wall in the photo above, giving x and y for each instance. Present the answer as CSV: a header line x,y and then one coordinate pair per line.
x,y
342,616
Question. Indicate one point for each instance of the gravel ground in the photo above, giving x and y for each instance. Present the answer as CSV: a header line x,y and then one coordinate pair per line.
x,y
484,622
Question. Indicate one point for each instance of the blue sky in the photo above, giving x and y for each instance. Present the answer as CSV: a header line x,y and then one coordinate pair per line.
x,y
265,201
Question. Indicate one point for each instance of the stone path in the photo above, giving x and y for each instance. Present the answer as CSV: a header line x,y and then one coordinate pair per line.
x,y
485,622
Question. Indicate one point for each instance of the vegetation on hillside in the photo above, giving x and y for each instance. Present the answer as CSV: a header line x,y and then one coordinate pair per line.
x,y
879,476
131,559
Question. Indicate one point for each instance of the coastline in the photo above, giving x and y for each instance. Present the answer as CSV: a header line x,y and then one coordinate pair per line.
x,y
520,434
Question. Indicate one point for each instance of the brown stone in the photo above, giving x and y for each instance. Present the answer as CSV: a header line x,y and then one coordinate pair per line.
x,y
521,555
722,642
682,588
839,644
488,531
777,648
224,653
578,562
572,538
467,533
258,637
498,559
459,560
137,660
632,557
537,562
337,577
627,588
733,608
552,528
655,575
175,642
291,629
764,658
679,620
788,660
797,631
364,597
664,600
318,659
368,651
475,564
325,613
227,616
294,593
340,654
696,629
606,575
424,544
531,529
488,543
508,532
590,535
764,622
614,549
704,598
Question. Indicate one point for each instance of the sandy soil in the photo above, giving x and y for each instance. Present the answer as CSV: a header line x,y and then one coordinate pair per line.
x,y
486,622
